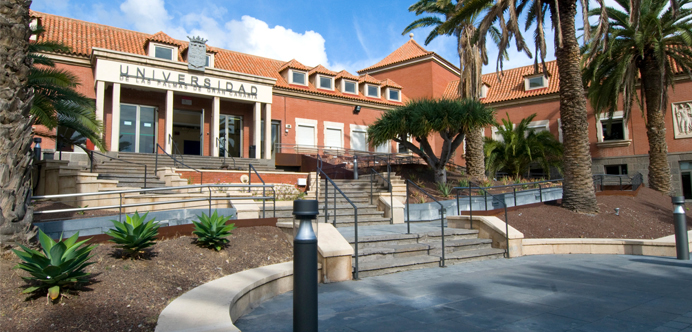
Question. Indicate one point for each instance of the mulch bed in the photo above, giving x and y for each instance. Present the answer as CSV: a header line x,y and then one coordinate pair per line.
x,y
649,215
127,295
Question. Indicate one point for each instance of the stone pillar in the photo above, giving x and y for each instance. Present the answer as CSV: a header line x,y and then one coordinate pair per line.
x,y
257,125
267,131
100,99
115,124
169,122
215,112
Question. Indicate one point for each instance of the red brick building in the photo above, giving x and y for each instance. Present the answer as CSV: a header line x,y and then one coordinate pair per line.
x,y
148,91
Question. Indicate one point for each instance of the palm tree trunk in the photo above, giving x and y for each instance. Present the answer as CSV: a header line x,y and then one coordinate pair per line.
x,y
659,169
15,123
475,162
469,87
578,190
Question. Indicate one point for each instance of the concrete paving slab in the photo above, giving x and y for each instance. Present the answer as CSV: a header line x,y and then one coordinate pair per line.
x,y
534,293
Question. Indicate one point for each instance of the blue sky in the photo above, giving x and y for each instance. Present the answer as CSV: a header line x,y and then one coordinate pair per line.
x,y
347,35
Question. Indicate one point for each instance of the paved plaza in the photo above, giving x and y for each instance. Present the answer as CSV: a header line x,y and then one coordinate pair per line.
x,y
534,293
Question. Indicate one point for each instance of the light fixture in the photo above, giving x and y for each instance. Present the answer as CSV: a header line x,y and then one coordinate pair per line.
x,y
356,109
617,211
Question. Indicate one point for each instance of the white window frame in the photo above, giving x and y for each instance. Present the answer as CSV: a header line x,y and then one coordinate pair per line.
x,y
559,130
333,125
397,90
619,115
343,87
360,129
152,51
306,123
540,124
396,146
367,85
318,82
526,82
484,90
494,135
290,76
211,60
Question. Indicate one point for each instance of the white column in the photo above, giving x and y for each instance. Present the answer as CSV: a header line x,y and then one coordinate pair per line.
x,y
115,124
267,131
215,112
100,99
169,122
257,121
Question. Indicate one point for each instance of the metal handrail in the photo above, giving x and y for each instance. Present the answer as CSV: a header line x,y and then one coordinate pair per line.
x,y
635,181
225,152
249,176
91,163
391,192
174,145
328,180
175,161
504,203
442,217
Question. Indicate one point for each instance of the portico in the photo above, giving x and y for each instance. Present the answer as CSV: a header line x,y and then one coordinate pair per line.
x,y
145,101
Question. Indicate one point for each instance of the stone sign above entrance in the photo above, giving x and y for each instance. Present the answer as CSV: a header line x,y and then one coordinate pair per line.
x,y
157,78
197,54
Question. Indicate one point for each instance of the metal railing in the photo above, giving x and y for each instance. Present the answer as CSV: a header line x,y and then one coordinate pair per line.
x,y
105,195
327,181
174,147
91,163
249,176
617,182
225,152
498,198
442,217
175,163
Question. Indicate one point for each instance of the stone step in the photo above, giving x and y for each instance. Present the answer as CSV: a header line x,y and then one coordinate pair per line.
x,y
399,264
464,256
346,222
458,245
403,238
392,251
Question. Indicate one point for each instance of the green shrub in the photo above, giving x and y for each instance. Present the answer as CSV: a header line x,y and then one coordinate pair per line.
x,y
463,183
445,189
60,265
212,231
134,235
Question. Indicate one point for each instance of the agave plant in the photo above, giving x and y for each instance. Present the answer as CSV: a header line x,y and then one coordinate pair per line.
x,y
444,188
60,265
463,183
212,230
134,235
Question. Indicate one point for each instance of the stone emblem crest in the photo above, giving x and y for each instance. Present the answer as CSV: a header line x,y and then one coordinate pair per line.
x,y
197,53
682,118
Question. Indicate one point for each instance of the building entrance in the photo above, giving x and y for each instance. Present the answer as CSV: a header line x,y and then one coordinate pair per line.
x,y
137,128
230,136
188,135
276,137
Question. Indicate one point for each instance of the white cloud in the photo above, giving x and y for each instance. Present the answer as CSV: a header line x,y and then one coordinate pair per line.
x,y
149,16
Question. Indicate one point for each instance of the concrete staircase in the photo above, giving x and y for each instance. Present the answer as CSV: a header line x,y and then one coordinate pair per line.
x,y
132,175
390,253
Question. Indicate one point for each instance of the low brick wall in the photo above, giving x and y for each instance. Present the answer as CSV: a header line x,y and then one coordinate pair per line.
x,y
213,176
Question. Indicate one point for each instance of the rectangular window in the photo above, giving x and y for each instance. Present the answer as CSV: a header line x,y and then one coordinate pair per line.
x,y
373,91
298,78
350,87
616,169
325,82
394,95
613,130
208,62
535,83
163,53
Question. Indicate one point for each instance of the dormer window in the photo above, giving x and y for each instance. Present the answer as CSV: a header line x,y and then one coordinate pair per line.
x,y
536,82
297,77
484,90
349,87
372,90
393,94
210,61
33,26
325,82
161,51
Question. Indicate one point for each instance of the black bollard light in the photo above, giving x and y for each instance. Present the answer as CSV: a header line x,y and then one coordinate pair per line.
x,y
680,220
355,167
305,268
37,149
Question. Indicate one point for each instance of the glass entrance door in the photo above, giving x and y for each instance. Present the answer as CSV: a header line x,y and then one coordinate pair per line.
x,y
137,128
230,136
276,138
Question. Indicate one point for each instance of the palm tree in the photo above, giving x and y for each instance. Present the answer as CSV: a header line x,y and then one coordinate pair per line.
x,y
16,214
57,103
419,119
470,62
653,44
578,194
520,147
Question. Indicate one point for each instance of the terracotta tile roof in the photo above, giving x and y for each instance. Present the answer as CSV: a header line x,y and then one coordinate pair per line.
x,y
511,85
82,37
410,50
294,64
390,83
319,69
345,74
368,79
163,38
